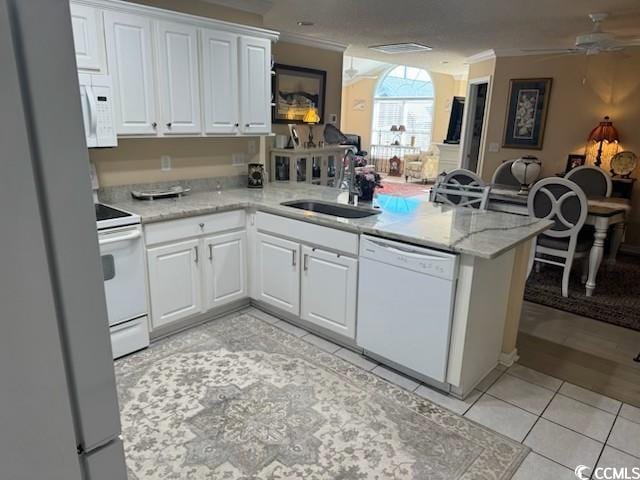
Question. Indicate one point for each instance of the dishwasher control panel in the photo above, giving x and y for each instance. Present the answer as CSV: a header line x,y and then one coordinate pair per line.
x,y
419,259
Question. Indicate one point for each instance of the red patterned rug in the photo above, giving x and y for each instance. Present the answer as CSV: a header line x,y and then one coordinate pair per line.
x,y
398,189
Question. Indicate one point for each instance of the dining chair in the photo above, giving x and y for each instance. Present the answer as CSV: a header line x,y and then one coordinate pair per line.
x,y
461,188
503,175
564,202
594,181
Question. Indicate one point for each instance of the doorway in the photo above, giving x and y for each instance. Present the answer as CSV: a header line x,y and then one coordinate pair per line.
x,y
474,124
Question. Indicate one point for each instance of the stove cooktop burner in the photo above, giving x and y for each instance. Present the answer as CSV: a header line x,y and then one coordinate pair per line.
x,y
108,213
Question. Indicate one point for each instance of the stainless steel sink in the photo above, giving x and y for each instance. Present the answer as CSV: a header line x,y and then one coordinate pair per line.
x,y
330,208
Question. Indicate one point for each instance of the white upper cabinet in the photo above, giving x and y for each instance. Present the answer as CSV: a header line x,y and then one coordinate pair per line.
x,y
130,60
178,78
255,85
220,81
88,38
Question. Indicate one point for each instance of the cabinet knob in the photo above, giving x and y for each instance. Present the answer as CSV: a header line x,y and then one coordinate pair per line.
x,y
237,125
201,226
247,125
169,125
154,124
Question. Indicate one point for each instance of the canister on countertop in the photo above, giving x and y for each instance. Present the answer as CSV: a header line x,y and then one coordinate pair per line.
x,y
256,175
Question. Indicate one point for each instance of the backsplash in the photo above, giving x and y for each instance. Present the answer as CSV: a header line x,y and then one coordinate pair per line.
x,y
121,193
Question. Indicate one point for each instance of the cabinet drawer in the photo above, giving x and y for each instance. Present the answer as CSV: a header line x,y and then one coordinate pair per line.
x,y
193,226
309,233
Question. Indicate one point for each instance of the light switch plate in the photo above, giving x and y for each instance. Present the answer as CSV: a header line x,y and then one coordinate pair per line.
x,y
165,163
494,147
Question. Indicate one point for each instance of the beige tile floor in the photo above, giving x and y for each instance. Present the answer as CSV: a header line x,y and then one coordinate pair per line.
x,y
563,424
581,333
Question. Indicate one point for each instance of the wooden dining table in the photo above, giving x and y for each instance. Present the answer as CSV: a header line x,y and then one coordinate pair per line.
x,y
602,213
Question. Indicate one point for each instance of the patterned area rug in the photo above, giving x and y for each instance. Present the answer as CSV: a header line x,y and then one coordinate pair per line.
x,y
241,399
616,299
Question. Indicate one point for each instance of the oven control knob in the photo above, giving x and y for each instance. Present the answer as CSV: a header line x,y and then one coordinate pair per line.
x,y
202,226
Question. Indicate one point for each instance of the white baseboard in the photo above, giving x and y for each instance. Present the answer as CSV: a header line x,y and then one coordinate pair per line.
x,y
508,359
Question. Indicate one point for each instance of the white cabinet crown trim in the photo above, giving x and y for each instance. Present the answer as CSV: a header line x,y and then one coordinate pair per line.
x,y
174,16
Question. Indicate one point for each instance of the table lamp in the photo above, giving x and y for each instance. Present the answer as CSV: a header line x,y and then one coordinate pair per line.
x,y
395,130
311,117
602,143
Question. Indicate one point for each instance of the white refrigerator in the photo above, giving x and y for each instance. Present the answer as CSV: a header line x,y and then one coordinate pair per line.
x,y
59,416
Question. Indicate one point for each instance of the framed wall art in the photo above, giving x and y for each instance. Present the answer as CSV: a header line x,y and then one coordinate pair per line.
x,y
295,91
527,113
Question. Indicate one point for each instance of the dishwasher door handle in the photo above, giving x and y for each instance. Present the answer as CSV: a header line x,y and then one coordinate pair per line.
x,y
408,252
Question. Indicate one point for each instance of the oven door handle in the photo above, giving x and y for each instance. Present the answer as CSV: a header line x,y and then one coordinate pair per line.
x,y
122,238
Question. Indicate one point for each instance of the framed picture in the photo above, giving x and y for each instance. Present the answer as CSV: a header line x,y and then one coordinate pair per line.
x,y
575,160
295,90
527,113
295,138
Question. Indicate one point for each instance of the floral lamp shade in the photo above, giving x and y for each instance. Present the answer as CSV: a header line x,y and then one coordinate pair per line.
x,y
603,143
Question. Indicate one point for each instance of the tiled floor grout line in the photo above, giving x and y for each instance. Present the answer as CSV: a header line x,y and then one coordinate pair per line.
x,y
542,413
607,439
589,405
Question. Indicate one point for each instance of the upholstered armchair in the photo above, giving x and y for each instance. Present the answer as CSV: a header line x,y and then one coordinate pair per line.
x,y
423,166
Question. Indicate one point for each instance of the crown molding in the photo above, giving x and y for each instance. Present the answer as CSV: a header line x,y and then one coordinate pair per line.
x,y
314,42
481,57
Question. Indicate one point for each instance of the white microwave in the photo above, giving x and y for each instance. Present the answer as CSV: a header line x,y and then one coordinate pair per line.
x,y
96,96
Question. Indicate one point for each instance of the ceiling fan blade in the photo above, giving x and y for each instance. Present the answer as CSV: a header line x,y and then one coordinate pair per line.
x,y
551,50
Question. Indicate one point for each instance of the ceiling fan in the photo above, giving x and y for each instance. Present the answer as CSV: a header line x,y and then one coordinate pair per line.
x,y
594,42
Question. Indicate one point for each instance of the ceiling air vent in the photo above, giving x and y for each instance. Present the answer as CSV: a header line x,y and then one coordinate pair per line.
x,y
402,48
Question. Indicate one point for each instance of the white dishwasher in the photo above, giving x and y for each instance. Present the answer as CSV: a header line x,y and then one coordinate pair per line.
x,y
405,305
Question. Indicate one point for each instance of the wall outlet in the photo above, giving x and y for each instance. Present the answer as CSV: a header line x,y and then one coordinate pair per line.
x,y
238,159
494,147
165,163
252,147
333,118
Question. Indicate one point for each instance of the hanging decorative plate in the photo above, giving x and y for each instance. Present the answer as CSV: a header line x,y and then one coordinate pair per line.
x,y
623,163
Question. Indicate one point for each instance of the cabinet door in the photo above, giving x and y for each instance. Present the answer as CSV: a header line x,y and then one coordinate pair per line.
x,y
329,289
255,85
88,38
225,268
220,81
178,79
129,55
279,273
174,281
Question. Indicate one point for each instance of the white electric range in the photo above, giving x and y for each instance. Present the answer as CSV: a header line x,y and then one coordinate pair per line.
x,y
122,254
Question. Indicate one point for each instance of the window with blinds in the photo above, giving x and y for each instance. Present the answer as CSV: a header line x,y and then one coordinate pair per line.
x,y
404,97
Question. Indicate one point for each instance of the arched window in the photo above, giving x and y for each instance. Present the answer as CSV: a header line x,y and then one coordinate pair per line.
x,y
404,96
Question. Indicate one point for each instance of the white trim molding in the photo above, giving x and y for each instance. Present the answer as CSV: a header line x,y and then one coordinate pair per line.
x,y
508,359
314,42
481,57
173,16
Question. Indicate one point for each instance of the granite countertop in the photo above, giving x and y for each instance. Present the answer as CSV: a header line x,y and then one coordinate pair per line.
x,y
411,220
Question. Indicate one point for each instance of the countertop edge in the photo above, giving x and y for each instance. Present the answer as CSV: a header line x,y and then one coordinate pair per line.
x,y
330,222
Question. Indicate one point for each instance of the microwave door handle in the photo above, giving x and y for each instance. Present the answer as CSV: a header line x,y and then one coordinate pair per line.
x,y
122,238
93,111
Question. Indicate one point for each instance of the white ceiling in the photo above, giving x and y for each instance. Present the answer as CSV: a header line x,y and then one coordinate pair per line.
x,y
456,29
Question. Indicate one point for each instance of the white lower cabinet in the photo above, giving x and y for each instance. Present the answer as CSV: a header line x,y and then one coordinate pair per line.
x,y
225,268
329,290
174,281
278,274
